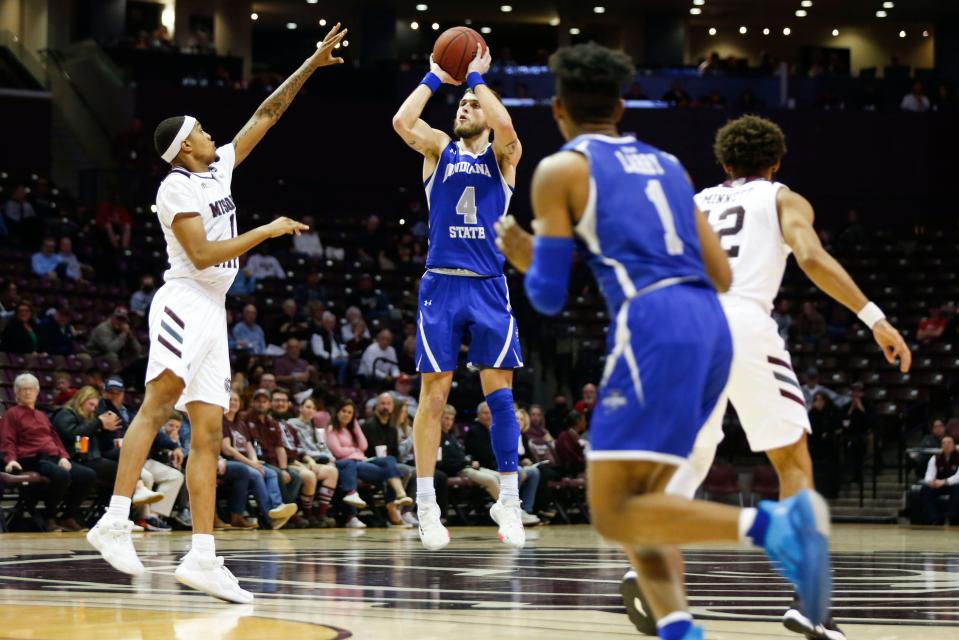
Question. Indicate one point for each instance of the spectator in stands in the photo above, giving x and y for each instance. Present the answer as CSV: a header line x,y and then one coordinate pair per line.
x,y
372,243
293,371
78,419
824,443
308,243
114,340
72,268
379,362
29,442
46,263
268,381
313,445
114,393
248,334
354,329
9,299
319,480
142,297
811,325
163,473
62,388
556,416
479,446
329,351
455,462
20,334
942,479
21,219
782,314
55,335
345,439
114,224
944,101
811,387
570,452
588,401
932,441
931,327
262,481
677,96
857,426
382,439
245,283
537,426
288,325
263,266
374,304
916,101
295,485
712,65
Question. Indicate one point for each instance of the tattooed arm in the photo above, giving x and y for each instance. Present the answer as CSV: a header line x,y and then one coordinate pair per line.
x,y
273,107
506,144
415,132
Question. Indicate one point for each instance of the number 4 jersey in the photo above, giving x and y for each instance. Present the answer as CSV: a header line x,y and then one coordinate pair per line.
x,y
466,195
744,214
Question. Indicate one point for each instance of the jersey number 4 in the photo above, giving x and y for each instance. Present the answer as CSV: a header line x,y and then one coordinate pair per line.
x,y
466,206
740,217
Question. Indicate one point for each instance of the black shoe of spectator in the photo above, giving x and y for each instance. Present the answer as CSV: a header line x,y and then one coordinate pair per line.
x,y
297,522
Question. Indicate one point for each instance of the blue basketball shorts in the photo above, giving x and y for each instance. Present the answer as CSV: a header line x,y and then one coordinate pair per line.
x,y
457,310
667,368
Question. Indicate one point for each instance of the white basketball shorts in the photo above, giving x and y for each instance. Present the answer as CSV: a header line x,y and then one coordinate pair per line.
x,y
188,336
763,387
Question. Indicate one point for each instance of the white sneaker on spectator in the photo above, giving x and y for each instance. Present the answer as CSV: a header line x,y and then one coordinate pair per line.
x,y
354,500
528,518
112,539
209,575
433,534
508,516
137,528
280,515
143,496
355,523
409,518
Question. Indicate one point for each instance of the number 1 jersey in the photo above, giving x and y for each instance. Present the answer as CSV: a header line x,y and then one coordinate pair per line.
x,y
466,195
743,213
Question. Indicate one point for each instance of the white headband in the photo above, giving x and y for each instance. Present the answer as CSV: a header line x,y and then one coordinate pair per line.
x,y
171,152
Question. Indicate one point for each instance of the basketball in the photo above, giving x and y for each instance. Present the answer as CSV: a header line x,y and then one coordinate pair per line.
x,y
455,49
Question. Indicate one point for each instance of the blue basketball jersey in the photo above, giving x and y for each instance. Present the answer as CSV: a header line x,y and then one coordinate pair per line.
x,y
639,226
466,195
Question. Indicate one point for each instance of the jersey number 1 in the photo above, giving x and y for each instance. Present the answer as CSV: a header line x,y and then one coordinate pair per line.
x,y
656,195
466,206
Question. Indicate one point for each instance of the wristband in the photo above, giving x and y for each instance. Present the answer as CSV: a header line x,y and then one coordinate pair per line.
x,y
432,81
474,79
871,314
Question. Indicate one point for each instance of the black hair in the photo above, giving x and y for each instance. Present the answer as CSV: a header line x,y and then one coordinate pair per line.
x,y
590,80
165,132
749,145
280,391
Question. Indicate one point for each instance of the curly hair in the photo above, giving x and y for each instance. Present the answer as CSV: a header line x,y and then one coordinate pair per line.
x,y
590,79
749,145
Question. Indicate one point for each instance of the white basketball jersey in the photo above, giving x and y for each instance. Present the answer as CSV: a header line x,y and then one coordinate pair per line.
x,y
208,194
743,213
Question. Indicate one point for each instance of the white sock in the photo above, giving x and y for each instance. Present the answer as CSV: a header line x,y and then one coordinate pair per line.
x,y
746,519
509,486
203,544
425,490
119,508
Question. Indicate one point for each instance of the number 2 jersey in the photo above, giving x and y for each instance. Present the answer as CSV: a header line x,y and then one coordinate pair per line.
x,y
206,193
466,195
743,213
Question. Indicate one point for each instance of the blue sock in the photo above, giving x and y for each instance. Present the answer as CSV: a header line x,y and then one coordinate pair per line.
x,y
675,626
757,532
505,430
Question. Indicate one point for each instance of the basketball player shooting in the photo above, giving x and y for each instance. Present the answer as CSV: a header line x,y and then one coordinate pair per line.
x,y
468,184
659,265
189,361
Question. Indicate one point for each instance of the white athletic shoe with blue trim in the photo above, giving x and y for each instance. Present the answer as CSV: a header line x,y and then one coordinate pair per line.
x,y
797,543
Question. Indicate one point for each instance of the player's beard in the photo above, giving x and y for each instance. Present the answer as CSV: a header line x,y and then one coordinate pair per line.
x,y
467,129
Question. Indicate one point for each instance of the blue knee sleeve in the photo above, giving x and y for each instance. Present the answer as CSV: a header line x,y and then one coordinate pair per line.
x,y
505,430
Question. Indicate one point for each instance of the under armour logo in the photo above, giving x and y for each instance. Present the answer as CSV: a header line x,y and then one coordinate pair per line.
x,y
427,303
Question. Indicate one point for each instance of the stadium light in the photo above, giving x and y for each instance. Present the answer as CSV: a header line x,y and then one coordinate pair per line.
x,y
888,5
881,14
505,8
312,1
422,7
291,25
806,3
435,26
743,30
699,3
925,34
554,22
801,13
322,22
486,30
902,34
695,11
574,31
414,25
766,31
787,31
599,9
712,31
835,32
254,16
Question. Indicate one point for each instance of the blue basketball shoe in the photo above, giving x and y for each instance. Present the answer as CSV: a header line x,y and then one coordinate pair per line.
x,y
797,543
